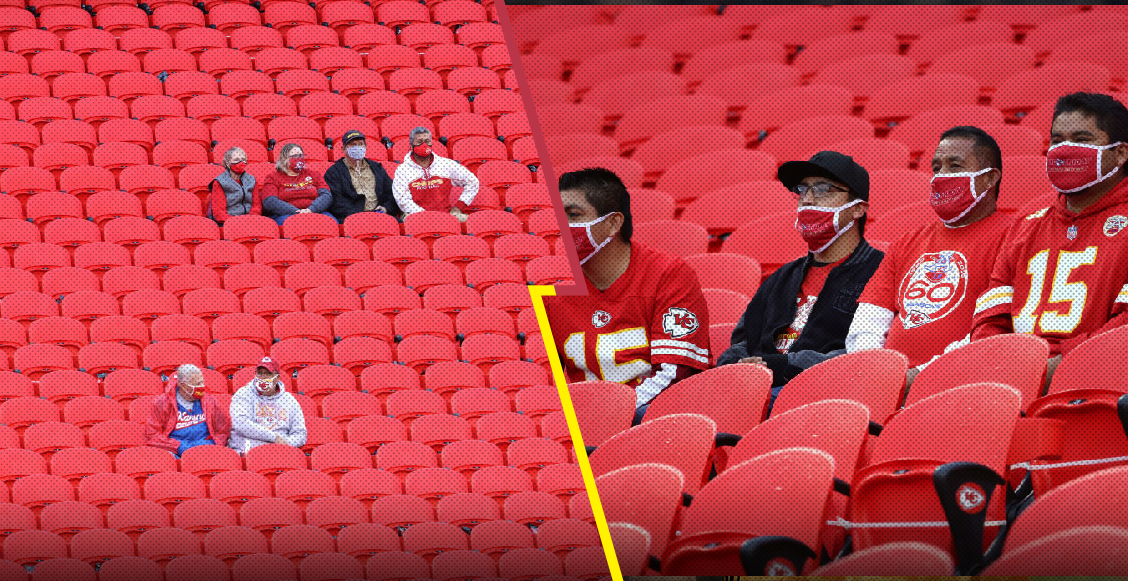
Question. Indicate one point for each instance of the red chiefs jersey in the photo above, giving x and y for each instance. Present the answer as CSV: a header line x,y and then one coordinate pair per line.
x,y
1061,275
654,313
930,279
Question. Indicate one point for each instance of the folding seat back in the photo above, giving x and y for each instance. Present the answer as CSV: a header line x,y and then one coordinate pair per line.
x,y
528,564
368,485
981,361
263,566
74,464
104,490
97,545
874,378
29,548
185,567
296,542
333,513
487,349
683,441
396,566
1083,403
432,538
135,517
36,360
61,331
463,564
439,430
267,515
713,539
422,351
603,409
944,469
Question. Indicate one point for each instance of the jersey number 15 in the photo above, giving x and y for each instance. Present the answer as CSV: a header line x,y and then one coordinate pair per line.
x,y
1061,291
607,346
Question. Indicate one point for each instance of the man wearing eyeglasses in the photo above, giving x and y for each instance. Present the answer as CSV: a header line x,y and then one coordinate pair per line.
x,y
801,313
187,415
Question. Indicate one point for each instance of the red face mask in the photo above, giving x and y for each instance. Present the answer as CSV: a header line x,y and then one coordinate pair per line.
x,y
239,167
819,225
297,163
422,150
1073,167
953,194
586,247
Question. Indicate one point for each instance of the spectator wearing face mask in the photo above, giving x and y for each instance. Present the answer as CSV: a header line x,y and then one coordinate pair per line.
x,y
263,412
186,415
425,180
231,193
801,314
357,183
293,188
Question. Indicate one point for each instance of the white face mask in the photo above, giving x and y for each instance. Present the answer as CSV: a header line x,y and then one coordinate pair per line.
x,y
355,151
586,246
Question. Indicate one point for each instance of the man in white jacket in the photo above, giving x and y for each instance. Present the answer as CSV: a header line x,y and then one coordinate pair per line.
x,y
424,180
263,412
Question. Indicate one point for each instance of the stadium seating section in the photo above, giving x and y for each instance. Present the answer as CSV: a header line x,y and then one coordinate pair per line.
x,y
694,107
437,447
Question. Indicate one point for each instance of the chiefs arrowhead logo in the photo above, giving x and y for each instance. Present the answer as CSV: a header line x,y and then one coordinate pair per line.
x,y
679,322
970,498
600,319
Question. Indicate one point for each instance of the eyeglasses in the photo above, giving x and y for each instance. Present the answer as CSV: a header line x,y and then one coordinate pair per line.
x,y
819,191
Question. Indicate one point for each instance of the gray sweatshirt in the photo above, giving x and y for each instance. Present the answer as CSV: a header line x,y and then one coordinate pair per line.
x,y
258,420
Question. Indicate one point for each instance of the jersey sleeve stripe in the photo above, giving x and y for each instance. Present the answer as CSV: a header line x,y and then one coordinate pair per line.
x,y
680,353
994,297
679,345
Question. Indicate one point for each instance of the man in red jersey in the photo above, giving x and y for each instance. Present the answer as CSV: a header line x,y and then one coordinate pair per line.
x,y
1061,272
921,299
644,322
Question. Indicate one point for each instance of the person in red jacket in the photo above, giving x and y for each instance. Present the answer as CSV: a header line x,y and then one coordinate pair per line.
x,y
293,188
186,415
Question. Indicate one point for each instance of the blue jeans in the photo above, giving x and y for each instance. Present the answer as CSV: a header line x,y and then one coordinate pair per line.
x,y
282,218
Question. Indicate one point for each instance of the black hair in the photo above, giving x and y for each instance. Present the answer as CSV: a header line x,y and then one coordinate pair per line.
x,y
604,191
985,145
1111,115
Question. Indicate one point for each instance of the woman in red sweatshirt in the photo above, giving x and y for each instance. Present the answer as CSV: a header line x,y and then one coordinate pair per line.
x,y
292,188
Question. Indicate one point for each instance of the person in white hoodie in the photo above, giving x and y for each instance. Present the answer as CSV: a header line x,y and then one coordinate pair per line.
x,y
424,180
263,412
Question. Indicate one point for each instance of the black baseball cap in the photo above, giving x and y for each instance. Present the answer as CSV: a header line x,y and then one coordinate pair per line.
x,y
827,164
351,135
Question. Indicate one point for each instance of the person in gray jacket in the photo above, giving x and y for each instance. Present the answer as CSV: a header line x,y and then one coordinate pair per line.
x,y
231,193
263,412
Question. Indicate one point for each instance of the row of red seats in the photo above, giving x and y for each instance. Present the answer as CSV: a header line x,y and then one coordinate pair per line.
x,y
336,15
354,354
103,425
92,542
522,564
158,120
293,476
380,379
74,334
112,211
415,25
255,98
606,412
74,144
183,83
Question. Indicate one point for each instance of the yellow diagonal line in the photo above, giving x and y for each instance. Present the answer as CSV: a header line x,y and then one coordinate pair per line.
x,y
538,293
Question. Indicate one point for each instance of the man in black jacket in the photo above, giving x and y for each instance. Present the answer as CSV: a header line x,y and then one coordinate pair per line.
x,y
801,314
359,184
